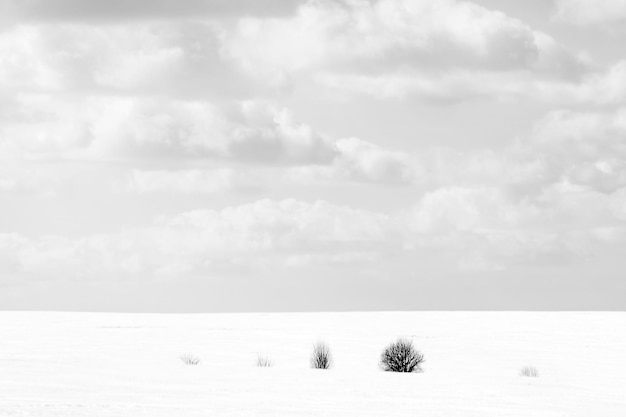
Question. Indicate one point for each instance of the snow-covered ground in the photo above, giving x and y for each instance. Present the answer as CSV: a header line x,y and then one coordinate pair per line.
x,y
88,364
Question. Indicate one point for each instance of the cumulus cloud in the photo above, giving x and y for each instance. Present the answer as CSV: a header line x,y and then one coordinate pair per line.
x,y
360,162
490,228
586,12
598,87
446,34
582,148
617,204
266,233
435,50
395,47
115,127
556,195
602,87
476,227
116,10
172,58
256,134
586,148
106,98
192,181
365,161
7,184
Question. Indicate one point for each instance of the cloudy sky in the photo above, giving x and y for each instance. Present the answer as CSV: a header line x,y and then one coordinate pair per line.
x,y
245,155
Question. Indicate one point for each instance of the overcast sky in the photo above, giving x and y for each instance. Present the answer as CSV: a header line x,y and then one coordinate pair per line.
x,y
246,155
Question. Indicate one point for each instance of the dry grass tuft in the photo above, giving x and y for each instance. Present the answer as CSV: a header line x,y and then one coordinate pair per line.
x,y
263,361
189,359
529,371
321,357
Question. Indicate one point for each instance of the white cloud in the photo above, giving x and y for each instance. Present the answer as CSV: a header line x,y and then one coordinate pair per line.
x,y
365,161
112,113
116,10
109,127
170,58
598,87
7,184
433,49
603,87
255,134
425,33
10,245
475,227
585,12
266,233
512,167
436,50
488,228
193,181
586,148
474,209
617,204
582,148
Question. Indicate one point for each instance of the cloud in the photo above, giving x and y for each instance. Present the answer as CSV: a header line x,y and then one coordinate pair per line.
x,y
601,87
257,135
168,58
458,208
586,148
434,50
585,12
266,234
394,47
273,148
10,245
444,34
582,148
606,86
489,228
192,181
7,184
365,161
356,161
617,204
472,227
104,128
116,10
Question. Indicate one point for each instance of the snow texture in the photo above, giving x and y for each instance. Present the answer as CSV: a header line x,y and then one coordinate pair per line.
x,y
102,365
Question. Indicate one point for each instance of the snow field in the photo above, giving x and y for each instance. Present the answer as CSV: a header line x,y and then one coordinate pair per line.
x,y
101,364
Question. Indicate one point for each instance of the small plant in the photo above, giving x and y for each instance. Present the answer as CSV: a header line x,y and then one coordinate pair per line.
x,y
189,359
401,356
529,371
263,361
321,357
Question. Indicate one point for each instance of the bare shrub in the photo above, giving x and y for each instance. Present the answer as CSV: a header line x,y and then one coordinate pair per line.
x,y
189,359
401,356
263,361
529,371
321,357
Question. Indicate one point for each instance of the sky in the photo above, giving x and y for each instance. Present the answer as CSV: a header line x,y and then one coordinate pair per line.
x,y
285,155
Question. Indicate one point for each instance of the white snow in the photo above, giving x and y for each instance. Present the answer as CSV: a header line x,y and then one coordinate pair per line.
x,y
100,364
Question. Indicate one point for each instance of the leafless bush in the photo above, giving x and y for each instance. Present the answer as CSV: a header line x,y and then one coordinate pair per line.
x,y
189,359
529,371
263,361
321,357
401,356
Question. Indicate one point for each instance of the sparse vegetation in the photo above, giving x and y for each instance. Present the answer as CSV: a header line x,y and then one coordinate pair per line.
x,y
321,357
189,359
263,361
529,371
401,356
